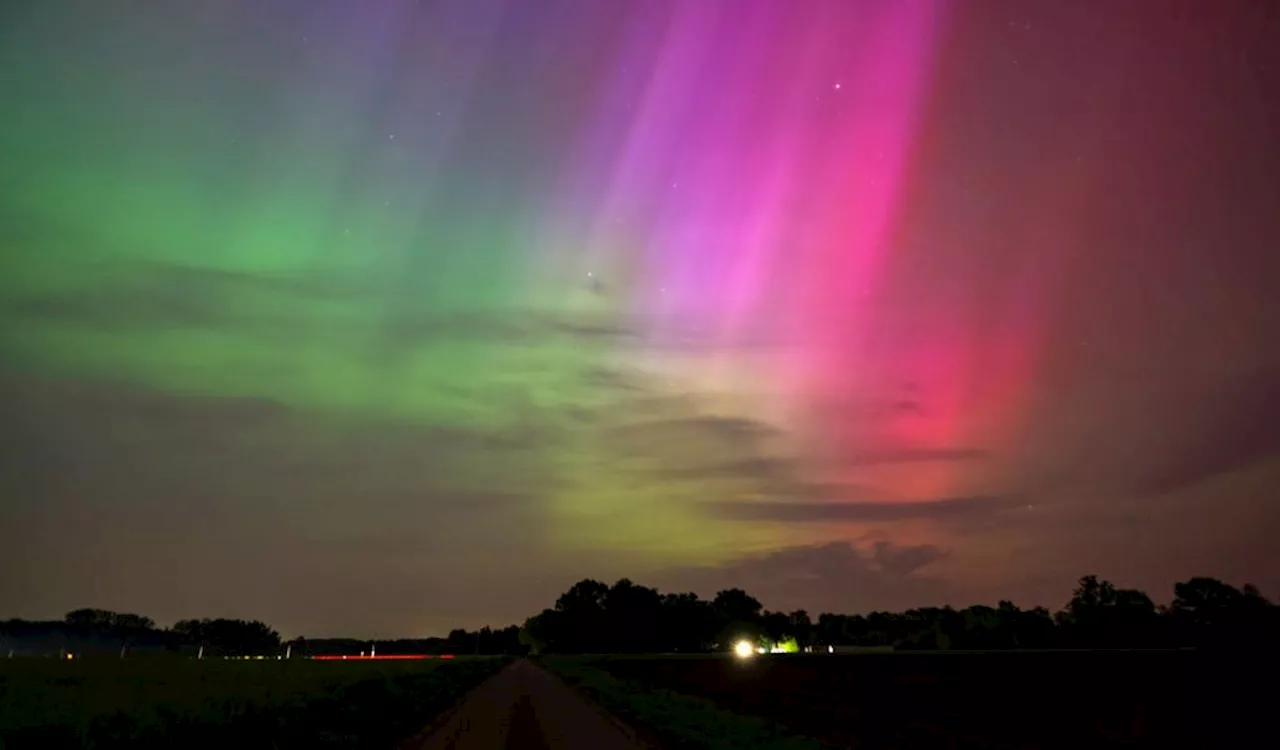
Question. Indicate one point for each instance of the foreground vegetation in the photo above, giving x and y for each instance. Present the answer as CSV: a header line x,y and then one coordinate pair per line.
x,y
675,720
1005,699
172,702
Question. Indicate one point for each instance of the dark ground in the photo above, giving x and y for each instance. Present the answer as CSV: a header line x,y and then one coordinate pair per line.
x,y
988,700
166,703
525,708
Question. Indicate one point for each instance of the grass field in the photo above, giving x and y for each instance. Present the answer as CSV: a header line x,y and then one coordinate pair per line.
x,y
170,703
924,700
671,719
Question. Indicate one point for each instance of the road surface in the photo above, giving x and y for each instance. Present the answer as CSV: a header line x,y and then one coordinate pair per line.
x,y
524,707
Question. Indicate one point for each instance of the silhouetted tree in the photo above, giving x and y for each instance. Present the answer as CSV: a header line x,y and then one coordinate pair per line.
x,y
775,625
486,641
543,632
122,628
632,617
230,637
583,627
1209,613
801,628
104,620
739,617
737,604
687,623
1032,628
592,617
1100,615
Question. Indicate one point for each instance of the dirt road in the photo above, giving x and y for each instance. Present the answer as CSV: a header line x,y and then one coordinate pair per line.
x,y
526,708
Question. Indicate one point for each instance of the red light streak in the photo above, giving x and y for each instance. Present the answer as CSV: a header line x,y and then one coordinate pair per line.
x,y
380,657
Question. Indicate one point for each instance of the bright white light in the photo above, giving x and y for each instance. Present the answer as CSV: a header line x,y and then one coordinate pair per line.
x,y
743,649
831,649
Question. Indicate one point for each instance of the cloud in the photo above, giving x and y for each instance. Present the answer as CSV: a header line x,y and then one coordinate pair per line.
x,y
763,468
584,328
411,326
128,294
958,508
774,467
904,560
134,293
261,509
911,455
1230,427
706,439
52,426
832,577
614,379
65,443
113,308
1154,438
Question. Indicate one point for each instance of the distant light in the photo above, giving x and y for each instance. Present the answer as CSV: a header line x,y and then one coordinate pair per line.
x,y
831,649
743,649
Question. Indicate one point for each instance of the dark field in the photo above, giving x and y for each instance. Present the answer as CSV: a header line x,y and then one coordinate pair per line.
x,y
160,702
988,700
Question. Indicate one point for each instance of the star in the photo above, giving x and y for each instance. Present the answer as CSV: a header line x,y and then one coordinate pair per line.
x,y
837,85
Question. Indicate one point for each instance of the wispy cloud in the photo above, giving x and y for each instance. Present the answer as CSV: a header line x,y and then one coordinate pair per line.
x,y
813,512
1235,425
837,577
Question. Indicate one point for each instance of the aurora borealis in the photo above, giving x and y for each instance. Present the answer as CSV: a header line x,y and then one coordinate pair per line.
x,y
391,316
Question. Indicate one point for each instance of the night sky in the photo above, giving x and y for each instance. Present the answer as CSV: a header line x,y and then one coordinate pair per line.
x,y
385,317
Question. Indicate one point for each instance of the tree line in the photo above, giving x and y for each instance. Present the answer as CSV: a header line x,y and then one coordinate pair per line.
x,y
99,631
593,617
486,641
